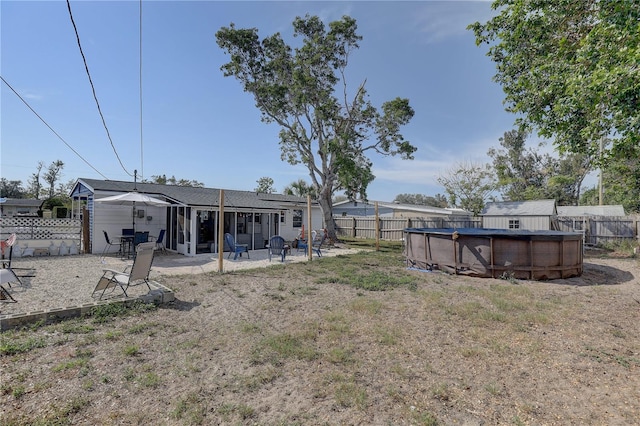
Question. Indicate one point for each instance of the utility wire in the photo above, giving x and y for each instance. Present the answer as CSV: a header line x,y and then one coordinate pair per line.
x,y
86,67
141,144
50,128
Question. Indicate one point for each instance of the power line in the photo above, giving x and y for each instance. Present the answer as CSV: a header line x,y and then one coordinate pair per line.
x,y
50,128
86,67
140,77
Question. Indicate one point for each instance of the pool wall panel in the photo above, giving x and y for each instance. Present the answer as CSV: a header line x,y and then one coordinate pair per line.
x,y
537,255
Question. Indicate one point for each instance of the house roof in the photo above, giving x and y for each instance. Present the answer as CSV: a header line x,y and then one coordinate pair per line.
x,y
408,207
609,210
521,208
22,202
192,196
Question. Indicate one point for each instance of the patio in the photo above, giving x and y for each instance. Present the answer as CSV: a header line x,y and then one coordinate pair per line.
x,y
65,283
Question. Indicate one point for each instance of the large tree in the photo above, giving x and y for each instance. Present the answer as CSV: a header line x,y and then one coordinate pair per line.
x,y
11,188
265,185
469,185
35,186
525,174
569,68
53,174
304,91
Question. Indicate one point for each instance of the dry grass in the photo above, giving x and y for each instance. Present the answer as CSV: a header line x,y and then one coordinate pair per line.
x,y
345,340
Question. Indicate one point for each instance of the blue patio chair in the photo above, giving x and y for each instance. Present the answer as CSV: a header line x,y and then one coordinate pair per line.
x,y
316,245
277,247
302,243
160,241
236,248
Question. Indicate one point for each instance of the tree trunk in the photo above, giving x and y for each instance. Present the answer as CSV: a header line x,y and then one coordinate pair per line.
x,y
327,217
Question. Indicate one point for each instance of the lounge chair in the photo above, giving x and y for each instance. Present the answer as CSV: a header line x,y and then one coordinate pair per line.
x,y
6,263
237,249
139,272
277,247
7,276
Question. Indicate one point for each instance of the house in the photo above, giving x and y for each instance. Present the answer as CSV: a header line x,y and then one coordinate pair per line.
x,y
397,210
11,207
538,215
577,211
192,219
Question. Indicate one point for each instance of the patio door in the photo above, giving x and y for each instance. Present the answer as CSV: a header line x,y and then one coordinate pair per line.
x,y
179,229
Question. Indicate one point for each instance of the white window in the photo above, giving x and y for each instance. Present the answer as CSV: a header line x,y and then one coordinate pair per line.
x,y
514,223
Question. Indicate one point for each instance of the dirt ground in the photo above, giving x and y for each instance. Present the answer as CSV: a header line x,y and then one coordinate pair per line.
x,y
295,345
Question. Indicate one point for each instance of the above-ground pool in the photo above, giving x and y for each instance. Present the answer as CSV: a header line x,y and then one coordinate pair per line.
x,y
534,255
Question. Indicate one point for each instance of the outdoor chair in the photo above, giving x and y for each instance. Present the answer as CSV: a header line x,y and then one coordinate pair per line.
x,y
159,240
140,237
139,272
6,263
237,249
7,276
302,243
316,245
277,247
109,244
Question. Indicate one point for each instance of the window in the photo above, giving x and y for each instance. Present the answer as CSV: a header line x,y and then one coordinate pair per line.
x,y
514,223
283,216
297,218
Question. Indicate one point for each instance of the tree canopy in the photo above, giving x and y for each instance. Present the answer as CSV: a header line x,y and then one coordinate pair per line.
x,y
526,174
164,180
438,200
304,90
265,185
300,188
571,69
469,185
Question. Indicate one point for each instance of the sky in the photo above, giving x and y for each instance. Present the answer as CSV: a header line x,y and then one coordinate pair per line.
x,y
168,109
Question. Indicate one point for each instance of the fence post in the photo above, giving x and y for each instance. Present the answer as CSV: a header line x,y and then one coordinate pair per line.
x,y
353,227
86,241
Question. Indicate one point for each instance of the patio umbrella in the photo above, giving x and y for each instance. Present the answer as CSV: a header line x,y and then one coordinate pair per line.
x,y
132,198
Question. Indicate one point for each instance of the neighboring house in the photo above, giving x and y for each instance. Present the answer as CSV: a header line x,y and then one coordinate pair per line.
x,y
576,211
398,210
539,215
192,220
12,207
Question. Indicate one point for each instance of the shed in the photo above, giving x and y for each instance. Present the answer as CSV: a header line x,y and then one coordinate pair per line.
x,y
538,215
192,219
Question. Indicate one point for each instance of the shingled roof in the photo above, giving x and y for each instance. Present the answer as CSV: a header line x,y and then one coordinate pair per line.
x,y
195,196
521,208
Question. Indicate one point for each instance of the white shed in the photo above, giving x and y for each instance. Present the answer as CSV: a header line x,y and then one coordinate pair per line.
x,y
538,215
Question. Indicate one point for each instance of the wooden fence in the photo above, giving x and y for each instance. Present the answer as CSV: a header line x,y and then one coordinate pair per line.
x,y
392,228
601,229
596,230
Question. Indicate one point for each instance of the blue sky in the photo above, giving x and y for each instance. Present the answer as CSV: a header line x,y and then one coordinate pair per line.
x,y
199,125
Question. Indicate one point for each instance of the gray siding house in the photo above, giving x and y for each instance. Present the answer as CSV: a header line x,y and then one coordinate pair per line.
x,y
192,219
539,215
11,207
